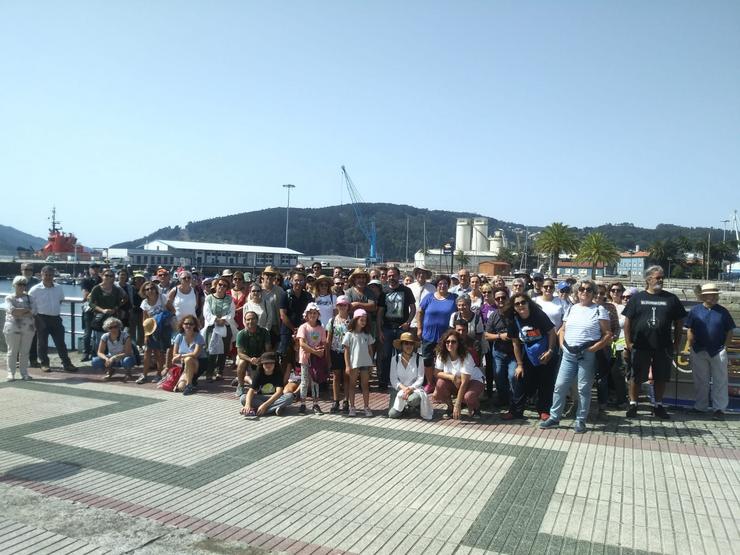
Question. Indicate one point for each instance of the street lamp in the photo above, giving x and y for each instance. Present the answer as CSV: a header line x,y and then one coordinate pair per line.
x,y
287,212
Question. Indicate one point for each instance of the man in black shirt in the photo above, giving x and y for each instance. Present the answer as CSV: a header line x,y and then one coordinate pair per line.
x,y
396,311
292,306
87,285
648,318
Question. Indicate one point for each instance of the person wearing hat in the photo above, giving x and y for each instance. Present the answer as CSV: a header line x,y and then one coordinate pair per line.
x,y
421,288
361,296
407,378
265,393
272,296
336,328
292,308
537,281
648,319
396,311
709,332
324,298
87,284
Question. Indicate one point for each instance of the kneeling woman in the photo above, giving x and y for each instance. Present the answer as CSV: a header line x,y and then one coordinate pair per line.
x,y
189,350
114,350
407,379
265,393
585,330
456,373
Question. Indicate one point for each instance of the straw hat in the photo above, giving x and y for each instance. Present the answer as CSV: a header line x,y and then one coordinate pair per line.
x,y
227,273
426,271
270,270
324,279
357,273
150,326
406,337
709,289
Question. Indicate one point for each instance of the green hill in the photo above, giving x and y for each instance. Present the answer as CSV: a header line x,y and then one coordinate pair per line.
x,y
333,230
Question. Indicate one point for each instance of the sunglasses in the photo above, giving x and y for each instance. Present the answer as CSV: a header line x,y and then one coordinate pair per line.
x,y
585,290
500,299
626,296
451,342
520,303
150,288
188,323
615,289
548,287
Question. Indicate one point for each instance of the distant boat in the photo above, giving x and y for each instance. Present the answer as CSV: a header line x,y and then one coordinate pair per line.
x,y
64,279
61,246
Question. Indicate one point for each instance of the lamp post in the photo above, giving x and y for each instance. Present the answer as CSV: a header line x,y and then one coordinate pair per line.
x,y
287,212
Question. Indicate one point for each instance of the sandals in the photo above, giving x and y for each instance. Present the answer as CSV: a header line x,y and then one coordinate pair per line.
x,y
141,380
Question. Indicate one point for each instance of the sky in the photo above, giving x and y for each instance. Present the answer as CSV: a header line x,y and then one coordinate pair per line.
x,y
130,116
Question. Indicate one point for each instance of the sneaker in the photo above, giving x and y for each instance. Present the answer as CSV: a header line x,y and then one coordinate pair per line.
x,y
11,377
580,427
632,410
188,390
549,423
302,409
280,411
508,416
448,413
544,416
141,380
69,367
334,407
317,409
86,358
45,368
352,411
240,391
476,414
368,412
660,412
345,407
716,415
28,378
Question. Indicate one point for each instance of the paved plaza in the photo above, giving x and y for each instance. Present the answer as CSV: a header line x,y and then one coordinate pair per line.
x,y
88,466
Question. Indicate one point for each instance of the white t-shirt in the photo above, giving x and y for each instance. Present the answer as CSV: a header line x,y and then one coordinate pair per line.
x,y
326,307
582,323
554,309
460,366
359,348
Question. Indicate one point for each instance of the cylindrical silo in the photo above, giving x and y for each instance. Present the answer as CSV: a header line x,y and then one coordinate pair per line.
x,y
480,235
497,242
463,234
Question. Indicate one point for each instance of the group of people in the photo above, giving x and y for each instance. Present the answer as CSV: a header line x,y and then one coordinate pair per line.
x,y
449,341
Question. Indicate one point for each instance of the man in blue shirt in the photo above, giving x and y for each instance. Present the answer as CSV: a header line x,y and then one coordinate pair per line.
x,y
710,327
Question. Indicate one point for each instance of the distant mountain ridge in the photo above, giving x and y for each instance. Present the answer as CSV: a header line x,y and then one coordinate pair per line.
x,y
334,230
12,239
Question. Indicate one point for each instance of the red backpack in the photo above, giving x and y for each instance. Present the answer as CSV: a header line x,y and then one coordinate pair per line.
x,y
169,382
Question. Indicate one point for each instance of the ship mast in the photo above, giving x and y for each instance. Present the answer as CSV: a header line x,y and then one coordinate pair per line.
x,y
54,221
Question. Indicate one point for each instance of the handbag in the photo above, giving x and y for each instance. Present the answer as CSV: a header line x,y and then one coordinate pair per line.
x,y
317,369
98,321
170,381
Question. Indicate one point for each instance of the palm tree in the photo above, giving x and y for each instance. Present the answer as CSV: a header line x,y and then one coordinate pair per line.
x,y
597,249
554,239
462,259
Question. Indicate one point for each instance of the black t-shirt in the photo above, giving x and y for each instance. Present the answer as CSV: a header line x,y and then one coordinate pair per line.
x,y
498,324
533,329
89,282
397,303
294,306
266,385
651,318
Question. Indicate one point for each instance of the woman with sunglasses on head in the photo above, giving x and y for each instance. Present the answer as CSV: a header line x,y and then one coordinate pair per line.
x,y
255,303
534,344
550,303
501,349
585,330
114,350
456,374
218,313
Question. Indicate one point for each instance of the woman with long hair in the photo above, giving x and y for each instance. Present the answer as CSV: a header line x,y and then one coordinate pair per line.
x,y
456,374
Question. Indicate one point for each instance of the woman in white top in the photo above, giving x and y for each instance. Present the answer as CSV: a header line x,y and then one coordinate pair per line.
x,y
406,376
325,299
550,304
183,300
456,373
585,330
255,303
19,328
115,350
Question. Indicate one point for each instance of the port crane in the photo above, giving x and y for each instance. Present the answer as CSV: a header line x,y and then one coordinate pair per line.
x,y
735,268
366,225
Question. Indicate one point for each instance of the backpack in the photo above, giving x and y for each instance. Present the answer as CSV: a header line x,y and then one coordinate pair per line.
x,y
170,380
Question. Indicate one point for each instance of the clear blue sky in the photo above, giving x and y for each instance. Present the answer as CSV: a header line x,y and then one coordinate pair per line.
x,y
134,115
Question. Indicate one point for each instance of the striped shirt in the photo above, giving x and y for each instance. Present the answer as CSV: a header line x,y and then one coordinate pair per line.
x,y
582,323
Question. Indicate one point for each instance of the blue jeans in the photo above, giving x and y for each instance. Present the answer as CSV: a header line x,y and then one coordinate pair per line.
x,y
127,363
283,401
581,367
503,372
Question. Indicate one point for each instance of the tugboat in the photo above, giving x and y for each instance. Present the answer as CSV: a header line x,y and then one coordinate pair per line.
x,y
60,246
